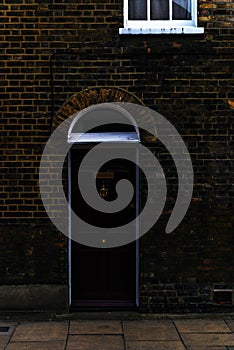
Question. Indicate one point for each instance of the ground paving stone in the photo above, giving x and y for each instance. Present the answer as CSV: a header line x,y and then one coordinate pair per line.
x,y
230,324
3,342
202,326
40,331
209,348
150,330
157,345
95,342
5,336
57,345
11,329
158,334
95,327
194,340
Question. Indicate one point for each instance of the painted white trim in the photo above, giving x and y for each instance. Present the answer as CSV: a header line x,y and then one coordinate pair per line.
x,y
103,137
148,9
161,27
170,10
162,30
155,24
69,228
137,230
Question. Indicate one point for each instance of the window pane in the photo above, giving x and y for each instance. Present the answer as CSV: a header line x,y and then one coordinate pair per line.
x,y
181,9
137,9
159,9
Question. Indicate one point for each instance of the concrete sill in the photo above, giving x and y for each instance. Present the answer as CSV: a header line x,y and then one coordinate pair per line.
x,y
178,30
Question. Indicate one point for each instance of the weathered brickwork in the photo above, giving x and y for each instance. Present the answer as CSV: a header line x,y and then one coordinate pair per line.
x,y
52,51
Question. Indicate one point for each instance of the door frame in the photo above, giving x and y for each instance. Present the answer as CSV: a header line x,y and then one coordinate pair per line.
x,y
89,139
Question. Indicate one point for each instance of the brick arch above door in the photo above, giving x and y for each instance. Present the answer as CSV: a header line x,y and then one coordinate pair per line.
x,y
98,95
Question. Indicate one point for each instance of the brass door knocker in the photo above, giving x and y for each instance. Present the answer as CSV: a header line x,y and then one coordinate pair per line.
x,y
103,192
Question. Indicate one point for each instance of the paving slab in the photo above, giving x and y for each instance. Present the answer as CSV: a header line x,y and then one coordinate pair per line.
x,y
95,342
40,331
57,345
150,330
209,348
95,327
202,326
230,324
194,340
6,334
3,342
157,345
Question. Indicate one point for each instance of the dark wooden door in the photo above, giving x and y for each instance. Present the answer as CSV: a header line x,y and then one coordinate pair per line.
x,y
103,277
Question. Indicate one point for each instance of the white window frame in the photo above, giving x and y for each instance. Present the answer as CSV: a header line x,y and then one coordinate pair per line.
x,y
161,26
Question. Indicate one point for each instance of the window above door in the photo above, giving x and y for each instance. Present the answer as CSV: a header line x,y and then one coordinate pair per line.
x,y
160,17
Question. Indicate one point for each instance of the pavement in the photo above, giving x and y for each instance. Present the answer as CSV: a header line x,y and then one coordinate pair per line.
x,y
118,332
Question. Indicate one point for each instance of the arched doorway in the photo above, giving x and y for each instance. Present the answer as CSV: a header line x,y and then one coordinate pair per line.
x,y
100,277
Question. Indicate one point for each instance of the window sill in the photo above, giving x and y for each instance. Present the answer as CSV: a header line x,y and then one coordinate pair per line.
x,y
178,30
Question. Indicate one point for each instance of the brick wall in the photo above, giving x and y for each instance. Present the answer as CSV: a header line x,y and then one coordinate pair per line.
x,y
49,51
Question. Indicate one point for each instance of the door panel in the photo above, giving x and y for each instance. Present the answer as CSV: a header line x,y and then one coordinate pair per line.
x,y
103,277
